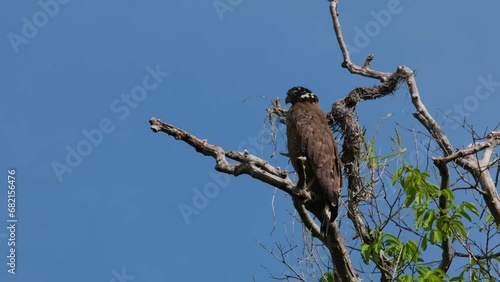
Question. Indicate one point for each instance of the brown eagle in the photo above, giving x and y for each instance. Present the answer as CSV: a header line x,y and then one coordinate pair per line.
x,y
314,155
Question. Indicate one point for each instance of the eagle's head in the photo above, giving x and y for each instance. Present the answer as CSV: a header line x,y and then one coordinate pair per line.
x,y
300,94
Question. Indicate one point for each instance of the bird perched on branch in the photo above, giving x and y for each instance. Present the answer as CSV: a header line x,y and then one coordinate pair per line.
x,y
314,155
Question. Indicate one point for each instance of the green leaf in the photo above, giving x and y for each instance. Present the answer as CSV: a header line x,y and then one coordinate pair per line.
x,y
412,248
391,239
489,218
470,206
466,215
439,275
405,278
428,219
424,243
392,244
365,252
459,228
397,175
433,188
398,136
328,277
448,195
436,236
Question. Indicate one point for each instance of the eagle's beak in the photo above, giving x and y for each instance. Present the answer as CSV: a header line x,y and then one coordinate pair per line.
x,y
287,100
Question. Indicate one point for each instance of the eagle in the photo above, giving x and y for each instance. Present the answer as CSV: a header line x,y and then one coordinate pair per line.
x,y
314,156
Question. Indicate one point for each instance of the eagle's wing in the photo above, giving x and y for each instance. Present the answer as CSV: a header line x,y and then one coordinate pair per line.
x,y
324,159
298,132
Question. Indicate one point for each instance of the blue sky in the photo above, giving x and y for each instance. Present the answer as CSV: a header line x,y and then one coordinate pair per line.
x,y
212,72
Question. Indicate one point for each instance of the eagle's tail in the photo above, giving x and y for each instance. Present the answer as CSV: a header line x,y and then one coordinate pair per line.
x,y
330,213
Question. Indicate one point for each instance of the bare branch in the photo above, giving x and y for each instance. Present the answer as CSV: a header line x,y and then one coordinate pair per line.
x,y
368,61
480,257
472,149
276,110
308,221
249,164
494,140
364,71
282,257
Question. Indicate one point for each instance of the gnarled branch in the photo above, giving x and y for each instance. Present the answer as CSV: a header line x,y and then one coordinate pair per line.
x,y
249,164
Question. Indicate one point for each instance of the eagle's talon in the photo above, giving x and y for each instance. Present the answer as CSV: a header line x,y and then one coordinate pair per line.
x,y
303,194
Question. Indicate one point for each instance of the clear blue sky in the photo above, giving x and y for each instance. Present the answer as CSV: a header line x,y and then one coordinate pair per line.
x,y
67,67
